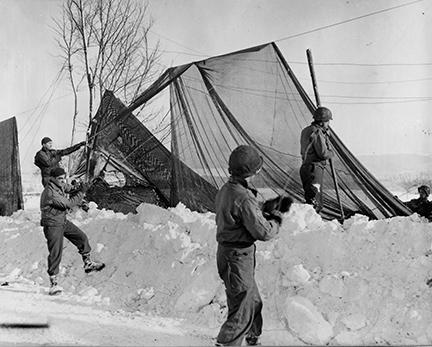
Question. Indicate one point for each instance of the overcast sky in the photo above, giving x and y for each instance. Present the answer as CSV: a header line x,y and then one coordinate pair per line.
x,y
374,72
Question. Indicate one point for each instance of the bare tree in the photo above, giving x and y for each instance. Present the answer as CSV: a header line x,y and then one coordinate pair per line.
x,y
105,42
66,41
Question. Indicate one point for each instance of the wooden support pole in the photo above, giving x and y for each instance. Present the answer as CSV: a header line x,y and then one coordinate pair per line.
x,y
318,103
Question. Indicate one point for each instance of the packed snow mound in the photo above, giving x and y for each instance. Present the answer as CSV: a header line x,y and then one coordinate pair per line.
x,y
363,282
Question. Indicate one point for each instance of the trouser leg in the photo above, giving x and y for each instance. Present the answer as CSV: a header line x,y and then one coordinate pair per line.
x,y
311,176
77,237
307,177
256,328
54,237
236,268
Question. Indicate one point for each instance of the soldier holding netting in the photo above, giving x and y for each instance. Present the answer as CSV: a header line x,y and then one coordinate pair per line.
x,y
315,152
47,158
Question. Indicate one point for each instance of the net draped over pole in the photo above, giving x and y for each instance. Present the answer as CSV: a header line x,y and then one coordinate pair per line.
x,y
247,97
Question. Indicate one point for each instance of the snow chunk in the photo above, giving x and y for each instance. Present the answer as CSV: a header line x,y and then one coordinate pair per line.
x,y
306,321
188,216
146,293
152,214
201,291
298,274
301,218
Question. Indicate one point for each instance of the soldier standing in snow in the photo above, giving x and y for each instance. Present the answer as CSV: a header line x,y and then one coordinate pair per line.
x,y
54,205
48,159
315,151
240,222
421,205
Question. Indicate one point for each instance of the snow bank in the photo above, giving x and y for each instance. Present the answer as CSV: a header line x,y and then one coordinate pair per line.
x,y
363,282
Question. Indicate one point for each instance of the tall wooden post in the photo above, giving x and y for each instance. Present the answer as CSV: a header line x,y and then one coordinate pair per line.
x,y
318,103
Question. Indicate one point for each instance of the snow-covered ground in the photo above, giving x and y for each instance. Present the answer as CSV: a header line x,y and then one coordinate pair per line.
x,y
70,322
363,282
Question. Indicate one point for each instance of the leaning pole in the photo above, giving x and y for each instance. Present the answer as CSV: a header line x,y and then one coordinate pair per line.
x,y
318,103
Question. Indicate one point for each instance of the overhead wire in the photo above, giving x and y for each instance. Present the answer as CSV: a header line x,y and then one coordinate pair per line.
x,y
41,115
348,20
33,110
283,96
35,116
345,64
376,102
268,92
370,82
179,44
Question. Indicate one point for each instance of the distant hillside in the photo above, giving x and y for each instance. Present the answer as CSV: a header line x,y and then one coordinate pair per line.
x,y
393,165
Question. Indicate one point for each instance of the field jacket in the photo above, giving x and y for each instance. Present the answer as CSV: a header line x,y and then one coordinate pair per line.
x,y
314,145
239,219
55,203
48,159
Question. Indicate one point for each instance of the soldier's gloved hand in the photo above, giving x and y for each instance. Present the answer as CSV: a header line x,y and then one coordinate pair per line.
x,y
274,215
280,203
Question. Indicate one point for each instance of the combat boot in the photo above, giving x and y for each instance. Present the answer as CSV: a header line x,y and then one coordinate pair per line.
x,y
252,340
90,265
54,287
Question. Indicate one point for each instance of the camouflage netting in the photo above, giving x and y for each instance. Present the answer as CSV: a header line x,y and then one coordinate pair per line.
x,y
246,97
11,198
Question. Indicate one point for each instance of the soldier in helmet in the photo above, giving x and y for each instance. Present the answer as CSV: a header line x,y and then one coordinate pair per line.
x,y
240,222
315,151
48,159
54,205
422,206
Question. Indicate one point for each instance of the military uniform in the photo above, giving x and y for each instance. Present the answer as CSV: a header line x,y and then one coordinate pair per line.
x,y
315,150
48,159
240,223
54,206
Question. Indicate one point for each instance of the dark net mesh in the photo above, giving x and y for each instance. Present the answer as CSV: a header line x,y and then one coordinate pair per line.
x,y
247,97
122,144
11,198
252,97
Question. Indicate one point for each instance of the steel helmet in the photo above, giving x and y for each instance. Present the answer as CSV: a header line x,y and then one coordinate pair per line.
x,y
244,161
425,189
322,114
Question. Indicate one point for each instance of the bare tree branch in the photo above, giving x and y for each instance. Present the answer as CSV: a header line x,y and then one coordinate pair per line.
x,y
108,46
